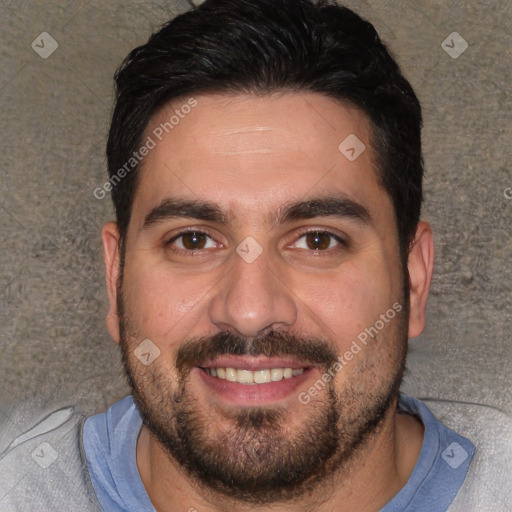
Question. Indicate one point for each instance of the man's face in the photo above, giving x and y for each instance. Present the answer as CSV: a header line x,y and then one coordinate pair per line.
x,y
264,286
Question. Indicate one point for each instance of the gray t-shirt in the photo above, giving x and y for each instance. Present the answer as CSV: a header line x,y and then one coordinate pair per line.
x,y
43,463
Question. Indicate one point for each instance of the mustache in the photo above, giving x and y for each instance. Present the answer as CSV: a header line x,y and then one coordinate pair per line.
x,y
196,351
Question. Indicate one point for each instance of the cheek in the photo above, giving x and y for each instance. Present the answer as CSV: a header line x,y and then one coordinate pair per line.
x,y
158,300
349,300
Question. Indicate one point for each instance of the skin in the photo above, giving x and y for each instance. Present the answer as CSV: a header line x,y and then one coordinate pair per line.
x,y
251,155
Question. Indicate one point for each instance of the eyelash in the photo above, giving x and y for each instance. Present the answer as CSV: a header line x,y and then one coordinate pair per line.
x,y
342,243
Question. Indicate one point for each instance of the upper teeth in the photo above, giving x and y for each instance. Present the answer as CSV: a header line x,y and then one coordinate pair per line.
x,y
253,377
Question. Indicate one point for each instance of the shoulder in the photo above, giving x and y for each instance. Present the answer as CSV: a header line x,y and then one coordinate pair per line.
x,y
41,459
487,484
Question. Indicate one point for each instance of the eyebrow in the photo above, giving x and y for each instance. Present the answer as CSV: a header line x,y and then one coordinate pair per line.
x,y
339,206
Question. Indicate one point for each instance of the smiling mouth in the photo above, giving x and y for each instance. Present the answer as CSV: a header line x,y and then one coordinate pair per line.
x,y
250,377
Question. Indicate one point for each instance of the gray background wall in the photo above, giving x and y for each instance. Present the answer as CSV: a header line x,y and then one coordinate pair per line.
x,y
55,115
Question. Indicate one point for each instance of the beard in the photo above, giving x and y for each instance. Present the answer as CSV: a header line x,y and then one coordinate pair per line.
x,y
252,454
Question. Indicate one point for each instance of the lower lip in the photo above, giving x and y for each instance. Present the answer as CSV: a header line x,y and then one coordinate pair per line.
x,y
257,394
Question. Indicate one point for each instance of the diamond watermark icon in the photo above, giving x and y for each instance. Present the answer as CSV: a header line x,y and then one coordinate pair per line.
x,y
454,45
249,249
44,45
146,352
45,455
352,147
454,455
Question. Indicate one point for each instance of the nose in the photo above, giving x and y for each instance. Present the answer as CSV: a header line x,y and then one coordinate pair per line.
x,y
253,298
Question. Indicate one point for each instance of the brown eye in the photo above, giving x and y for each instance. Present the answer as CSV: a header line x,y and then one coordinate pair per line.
x,y
318,241
194,240
191,241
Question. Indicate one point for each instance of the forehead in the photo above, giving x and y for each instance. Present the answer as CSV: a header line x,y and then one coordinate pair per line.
x,y
255,153
242,125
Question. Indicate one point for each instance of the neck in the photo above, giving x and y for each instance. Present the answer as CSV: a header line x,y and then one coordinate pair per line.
x,y
375,473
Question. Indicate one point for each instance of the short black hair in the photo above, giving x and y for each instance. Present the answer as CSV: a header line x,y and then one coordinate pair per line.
x,y
265,46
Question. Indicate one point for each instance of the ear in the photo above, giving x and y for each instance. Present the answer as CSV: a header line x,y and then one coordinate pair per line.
x,y
111,258
420,264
